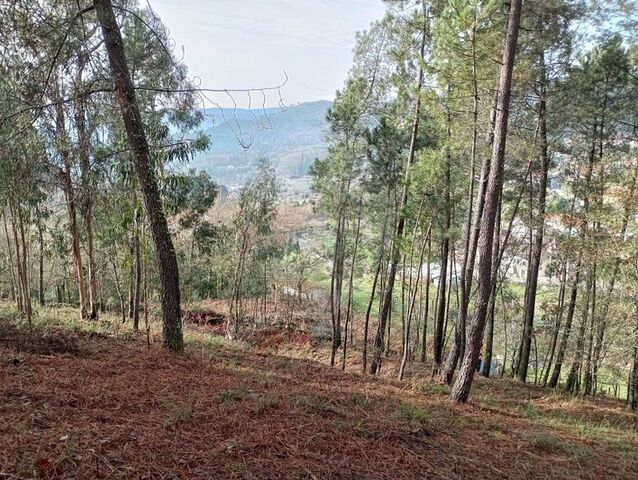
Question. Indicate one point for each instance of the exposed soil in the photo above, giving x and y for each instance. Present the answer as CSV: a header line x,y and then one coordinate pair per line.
x,y
115,409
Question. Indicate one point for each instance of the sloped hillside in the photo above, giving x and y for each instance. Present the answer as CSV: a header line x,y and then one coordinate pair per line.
x,y
102,404
291,137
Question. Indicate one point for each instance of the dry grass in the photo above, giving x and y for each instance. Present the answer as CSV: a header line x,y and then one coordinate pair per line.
x,y
115,409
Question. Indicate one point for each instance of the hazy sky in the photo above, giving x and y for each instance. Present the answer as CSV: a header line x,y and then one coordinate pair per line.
x,y
250,43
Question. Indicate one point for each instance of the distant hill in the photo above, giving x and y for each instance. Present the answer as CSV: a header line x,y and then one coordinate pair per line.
x,y
291,138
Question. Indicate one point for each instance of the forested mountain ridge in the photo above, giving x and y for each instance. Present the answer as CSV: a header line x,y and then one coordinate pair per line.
x,y
291,137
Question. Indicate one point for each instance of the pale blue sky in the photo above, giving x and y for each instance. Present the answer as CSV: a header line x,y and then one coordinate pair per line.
x,y
249,43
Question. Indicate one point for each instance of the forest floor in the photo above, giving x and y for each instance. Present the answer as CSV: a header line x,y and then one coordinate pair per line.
x,y
83,401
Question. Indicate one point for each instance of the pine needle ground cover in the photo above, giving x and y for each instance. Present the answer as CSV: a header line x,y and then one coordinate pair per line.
x,y
110,407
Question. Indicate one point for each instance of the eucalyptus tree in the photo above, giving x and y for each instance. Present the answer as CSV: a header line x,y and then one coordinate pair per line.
x,y
253,222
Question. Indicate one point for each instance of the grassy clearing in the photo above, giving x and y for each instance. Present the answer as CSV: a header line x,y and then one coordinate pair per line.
x,y
552,444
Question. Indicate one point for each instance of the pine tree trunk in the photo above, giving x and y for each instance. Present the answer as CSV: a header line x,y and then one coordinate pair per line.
x,y
463,383
126,99
375,366
573,378
559,317
562,348
537,248
351,283
587,372
459,330
336,280
412,301
471,228
118,288
496,256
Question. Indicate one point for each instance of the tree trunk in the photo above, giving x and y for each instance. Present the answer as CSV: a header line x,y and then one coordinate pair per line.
x,y
537,248
351,282
587,372
426,312
125,96
471,228
64,173
366,326
463,384
496,256
562,348
459,329
412,300
22,258
86,203
118,288
12,275
573,379
131,282
632,393
559,318
137,291
336,280
375,366
600,334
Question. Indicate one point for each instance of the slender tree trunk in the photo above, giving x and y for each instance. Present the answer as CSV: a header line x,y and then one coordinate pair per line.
x,y
12,275
459,329
472,226
632,388
587,372
537,248
236,313
125,96
426,312
137,292
64,174
489,333
86,194
22,257
41,268
573,379
366,325
336,281
600,334
118,288
131,276
377,273
439,326
351,282
557,325
375,366
412,300
16,242
463,383
562,347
